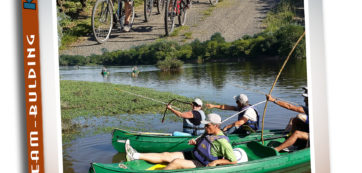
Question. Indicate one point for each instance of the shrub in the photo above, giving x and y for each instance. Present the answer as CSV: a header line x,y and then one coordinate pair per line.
x,y
169,64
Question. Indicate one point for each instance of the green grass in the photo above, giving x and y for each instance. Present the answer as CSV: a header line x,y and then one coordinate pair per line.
x,y
104,99
177,31
208,11
188,35
89,99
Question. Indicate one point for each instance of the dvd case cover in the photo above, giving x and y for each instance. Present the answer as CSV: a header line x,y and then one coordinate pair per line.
x,y
124,81
33,97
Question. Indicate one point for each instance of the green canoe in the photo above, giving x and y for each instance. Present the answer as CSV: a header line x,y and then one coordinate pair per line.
x,y
160,142
261,159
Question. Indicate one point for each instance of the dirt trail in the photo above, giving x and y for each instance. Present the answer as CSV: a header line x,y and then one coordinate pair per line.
x,y
232,18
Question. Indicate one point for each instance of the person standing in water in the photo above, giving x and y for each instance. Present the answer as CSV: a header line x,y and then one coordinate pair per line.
x,y
135,71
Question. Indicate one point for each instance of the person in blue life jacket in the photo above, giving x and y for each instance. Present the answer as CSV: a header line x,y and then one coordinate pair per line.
x,y
248,120
211,149
192,119
299,125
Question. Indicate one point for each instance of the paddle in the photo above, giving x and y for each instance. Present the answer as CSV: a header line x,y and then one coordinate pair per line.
x,y
275,81
169,103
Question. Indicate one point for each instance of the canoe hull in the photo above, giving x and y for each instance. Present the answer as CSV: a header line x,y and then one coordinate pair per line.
x,y
158,142
261,159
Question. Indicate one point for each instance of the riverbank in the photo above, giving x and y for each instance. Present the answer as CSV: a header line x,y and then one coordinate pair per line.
x,y
95,99
282,29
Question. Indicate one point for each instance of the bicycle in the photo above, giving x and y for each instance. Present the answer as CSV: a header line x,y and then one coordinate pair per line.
x,y
160,5
105,17
149,4
174,8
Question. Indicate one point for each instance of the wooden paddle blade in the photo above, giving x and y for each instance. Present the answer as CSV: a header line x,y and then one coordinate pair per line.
x,y
164,115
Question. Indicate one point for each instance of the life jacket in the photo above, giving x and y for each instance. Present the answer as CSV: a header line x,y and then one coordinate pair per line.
x,y
195,130
202,151
253,124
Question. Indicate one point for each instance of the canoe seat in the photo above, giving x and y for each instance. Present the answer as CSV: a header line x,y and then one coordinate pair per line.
x,y
257,151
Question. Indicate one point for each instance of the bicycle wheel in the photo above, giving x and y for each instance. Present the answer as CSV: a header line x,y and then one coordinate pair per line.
x,y
170,14
213,2
148,4
160,5
102,20
183,13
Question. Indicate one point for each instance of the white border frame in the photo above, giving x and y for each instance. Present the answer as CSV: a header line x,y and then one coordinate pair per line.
x,y
49,66
316,65
316,69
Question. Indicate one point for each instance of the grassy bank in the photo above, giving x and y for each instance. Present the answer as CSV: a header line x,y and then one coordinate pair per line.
x,y
88,99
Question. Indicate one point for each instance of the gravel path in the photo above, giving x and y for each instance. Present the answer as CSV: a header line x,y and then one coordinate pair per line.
x,y
232,18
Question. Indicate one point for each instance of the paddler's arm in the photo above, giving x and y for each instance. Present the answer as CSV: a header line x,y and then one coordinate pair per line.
x,y
285,104
221,162
236,123
180,114
222,107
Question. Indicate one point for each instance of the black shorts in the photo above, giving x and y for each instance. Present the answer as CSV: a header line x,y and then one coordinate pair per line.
x,y
188,155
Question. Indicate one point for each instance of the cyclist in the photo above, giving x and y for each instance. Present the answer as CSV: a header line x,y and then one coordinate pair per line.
x,y
188,5
128,11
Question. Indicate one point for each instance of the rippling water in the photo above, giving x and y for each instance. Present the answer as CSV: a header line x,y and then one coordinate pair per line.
x,y
217,82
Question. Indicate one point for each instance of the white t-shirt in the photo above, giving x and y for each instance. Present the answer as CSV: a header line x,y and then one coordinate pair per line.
x,y
250,114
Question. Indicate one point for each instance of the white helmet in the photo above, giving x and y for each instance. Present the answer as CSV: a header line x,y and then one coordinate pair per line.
x,y
240,155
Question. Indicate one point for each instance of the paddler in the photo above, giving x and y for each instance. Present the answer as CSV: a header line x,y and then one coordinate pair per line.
x,y
211,149
192,119
299,125
248,120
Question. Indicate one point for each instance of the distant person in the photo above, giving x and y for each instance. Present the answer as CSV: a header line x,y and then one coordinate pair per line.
x,y
248,120
211,149
104,71
135,71
192,119
299,124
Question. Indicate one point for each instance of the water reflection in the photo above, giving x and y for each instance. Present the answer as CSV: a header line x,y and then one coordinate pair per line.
x,y
169,75
217,74
119,157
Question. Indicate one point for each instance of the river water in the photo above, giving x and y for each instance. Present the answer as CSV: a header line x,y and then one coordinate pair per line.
x,y
217,82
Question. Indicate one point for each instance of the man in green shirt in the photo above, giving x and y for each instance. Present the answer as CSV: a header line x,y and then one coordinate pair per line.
x,y
218,152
